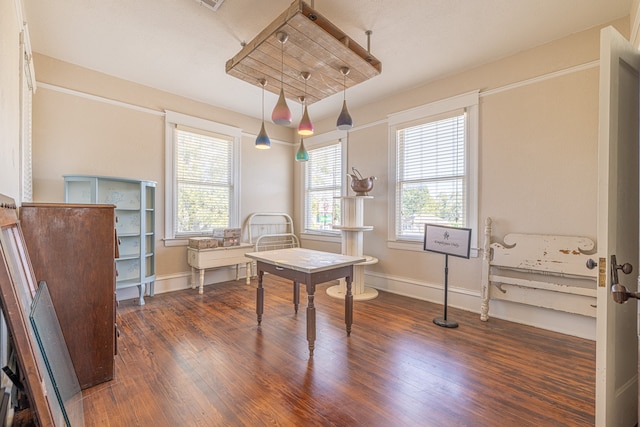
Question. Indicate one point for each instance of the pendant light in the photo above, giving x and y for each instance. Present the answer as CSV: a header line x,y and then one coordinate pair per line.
x,y
344,122
262,141
302,155
281,114
305,128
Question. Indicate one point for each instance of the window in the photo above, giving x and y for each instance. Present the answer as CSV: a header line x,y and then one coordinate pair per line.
x,y
322,184
430,175
202,176
434,163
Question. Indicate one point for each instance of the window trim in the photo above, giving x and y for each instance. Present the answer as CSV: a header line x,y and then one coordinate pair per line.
x,y
318,141
27,89
171,120
467,101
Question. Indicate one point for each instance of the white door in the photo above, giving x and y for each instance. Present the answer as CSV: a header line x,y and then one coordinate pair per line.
x,y
616,333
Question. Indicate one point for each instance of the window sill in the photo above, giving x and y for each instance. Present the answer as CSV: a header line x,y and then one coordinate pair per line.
x,y
175,242
322,237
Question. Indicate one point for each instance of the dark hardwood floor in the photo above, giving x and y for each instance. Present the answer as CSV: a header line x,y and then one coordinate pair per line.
x,y
201,360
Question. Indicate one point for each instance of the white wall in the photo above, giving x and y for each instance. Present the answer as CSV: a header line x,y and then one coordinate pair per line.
x,y
89,123
537,168
537,159
10,27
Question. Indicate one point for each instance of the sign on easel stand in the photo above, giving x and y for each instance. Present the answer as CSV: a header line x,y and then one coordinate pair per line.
x,y
448,241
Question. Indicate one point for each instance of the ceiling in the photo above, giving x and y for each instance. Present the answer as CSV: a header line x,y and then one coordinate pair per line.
x,y
181,47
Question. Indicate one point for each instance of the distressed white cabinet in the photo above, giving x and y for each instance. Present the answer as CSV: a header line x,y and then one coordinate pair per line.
x,y
201,259
134,202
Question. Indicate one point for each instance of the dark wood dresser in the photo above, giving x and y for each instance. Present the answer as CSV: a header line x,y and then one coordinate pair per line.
x,y
72,248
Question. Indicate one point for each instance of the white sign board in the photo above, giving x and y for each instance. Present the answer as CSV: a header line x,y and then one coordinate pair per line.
x,y
447,240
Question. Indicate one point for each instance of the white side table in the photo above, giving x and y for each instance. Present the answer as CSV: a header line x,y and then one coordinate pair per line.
x,y
201,259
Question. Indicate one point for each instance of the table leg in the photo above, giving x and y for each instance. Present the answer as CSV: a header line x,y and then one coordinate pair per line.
x,y
201,290
296,296
311,319
260,297
248,273
348,306
193,277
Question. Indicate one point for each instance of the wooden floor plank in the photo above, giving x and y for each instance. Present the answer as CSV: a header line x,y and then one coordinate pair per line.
x,y
202,360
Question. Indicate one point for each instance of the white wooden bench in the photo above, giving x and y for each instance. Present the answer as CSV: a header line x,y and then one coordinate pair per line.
x,y
540,270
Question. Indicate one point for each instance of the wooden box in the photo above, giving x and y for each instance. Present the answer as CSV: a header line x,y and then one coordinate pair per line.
x,y
229,241
203,242
227,236
226,233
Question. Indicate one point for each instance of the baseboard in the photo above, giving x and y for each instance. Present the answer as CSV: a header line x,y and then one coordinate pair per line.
x,y
180,281
465,299
462,298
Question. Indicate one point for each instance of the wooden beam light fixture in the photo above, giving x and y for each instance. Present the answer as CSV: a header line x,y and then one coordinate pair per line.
x,y
315,45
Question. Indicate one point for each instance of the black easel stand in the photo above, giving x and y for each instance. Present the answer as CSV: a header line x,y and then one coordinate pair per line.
x,y
443,321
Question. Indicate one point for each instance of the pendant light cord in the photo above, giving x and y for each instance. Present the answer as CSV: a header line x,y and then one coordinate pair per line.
x,y
344,87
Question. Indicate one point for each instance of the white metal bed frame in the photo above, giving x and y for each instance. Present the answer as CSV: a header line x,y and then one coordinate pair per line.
x,y
268,231
271,230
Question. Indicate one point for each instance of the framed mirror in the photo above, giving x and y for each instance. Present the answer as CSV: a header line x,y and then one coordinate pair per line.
x,y
17,290
67,409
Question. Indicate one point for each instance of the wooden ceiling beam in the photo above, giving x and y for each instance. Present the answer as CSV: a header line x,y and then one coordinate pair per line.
x,y
314,45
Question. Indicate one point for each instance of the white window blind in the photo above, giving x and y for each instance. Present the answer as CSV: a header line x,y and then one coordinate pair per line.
x,y
431,174
204,181
323,183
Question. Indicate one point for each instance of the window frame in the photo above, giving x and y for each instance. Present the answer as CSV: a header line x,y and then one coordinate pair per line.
x,y
319,141
173,119
27,89
467,102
